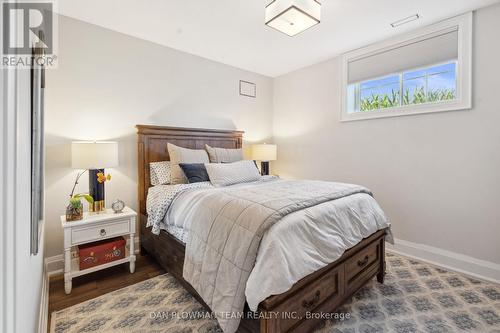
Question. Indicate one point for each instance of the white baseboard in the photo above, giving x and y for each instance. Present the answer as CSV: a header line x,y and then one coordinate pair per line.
x,y
478,268
55,264
43,315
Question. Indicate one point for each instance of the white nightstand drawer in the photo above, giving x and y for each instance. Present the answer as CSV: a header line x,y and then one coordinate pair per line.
x,y
85,234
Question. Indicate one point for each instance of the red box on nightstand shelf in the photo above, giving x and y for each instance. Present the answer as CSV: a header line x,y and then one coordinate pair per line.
x,y
101,252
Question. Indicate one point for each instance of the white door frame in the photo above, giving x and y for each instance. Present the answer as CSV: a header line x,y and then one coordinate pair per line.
x,y
8,134
8,200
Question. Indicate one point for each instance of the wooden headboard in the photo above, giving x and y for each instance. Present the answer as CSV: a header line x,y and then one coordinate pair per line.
x,y
152,147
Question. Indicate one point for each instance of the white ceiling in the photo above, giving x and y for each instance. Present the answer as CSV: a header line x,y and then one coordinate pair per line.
x,y
233,31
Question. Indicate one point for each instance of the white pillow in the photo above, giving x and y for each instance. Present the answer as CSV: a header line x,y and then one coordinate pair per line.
x,y
159,173
183,155
223,155
223,174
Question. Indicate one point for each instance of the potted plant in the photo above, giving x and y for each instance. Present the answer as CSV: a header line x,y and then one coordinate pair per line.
x,y
74,210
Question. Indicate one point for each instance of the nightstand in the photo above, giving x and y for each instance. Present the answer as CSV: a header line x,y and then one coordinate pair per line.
x,y
94,227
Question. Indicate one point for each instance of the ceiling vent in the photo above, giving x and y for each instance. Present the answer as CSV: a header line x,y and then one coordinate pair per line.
x,y
405,20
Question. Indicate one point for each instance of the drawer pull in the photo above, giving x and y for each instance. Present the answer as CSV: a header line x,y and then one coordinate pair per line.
x,y
363,262
103,232
311,303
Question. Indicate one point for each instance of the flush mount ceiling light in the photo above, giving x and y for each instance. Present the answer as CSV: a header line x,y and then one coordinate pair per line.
x,y
293,16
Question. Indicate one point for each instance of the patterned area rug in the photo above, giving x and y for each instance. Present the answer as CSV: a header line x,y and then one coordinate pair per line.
x,y
416,297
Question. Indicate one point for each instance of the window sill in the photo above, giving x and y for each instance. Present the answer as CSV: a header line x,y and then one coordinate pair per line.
x,y
406,110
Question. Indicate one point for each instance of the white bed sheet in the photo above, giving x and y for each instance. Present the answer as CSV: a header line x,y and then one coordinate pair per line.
x,y
300,244
179,233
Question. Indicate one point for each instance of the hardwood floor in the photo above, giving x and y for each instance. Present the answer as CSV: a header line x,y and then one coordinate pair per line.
x,y
101,282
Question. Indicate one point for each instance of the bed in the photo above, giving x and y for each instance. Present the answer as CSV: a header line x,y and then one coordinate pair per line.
x,y
321,291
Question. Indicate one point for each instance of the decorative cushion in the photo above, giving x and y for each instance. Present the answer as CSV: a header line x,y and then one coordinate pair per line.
x,y
223,155
183,155
159,173
223,174
195,172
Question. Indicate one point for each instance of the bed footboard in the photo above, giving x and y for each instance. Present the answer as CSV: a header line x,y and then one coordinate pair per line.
x,y
303,307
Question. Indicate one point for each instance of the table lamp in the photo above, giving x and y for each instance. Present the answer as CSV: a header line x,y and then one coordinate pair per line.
x,y
94,157
264,153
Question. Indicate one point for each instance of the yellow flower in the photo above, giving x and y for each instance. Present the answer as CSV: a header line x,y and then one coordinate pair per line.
x,y
101,178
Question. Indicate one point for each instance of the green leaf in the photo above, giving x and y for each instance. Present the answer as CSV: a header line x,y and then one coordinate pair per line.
x,y
75,202
87,197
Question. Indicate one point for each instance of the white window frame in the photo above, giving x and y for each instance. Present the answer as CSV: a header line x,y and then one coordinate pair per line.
x,y
463,100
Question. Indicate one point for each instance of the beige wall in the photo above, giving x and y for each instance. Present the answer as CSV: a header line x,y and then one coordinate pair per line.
x,y
436,176
107,82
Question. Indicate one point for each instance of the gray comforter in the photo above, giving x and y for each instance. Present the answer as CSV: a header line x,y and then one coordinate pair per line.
x,y
224,239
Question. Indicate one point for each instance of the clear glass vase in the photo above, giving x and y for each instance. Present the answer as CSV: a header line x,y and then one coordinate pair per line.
x,y
74,214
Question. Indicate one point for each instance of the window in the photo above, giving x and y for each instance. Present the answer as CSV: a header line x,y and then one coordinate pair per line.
x,y
424,71
428,85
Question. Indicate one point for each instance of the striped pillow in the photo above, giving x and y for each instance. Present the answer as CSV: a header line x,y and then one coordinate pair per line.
x,y
224,174
223,155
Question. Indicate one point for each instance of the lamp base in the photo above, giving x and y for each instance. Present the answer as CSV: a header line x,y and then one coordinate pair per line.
x,y
98,206
96,191
264,168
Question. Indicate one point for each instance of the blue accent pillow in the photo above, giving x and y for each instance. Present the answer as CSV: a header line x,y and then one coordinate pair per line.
x,y
195,172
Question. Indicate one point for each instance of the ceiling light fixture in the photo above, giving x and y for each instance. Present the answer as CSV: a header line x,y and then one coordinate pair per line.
x,y
405,20
291,17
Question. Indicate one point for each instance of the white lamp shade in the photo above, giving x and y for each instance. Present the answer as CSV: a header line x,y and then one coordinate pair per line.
x,y
264,152
293,16
94,155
